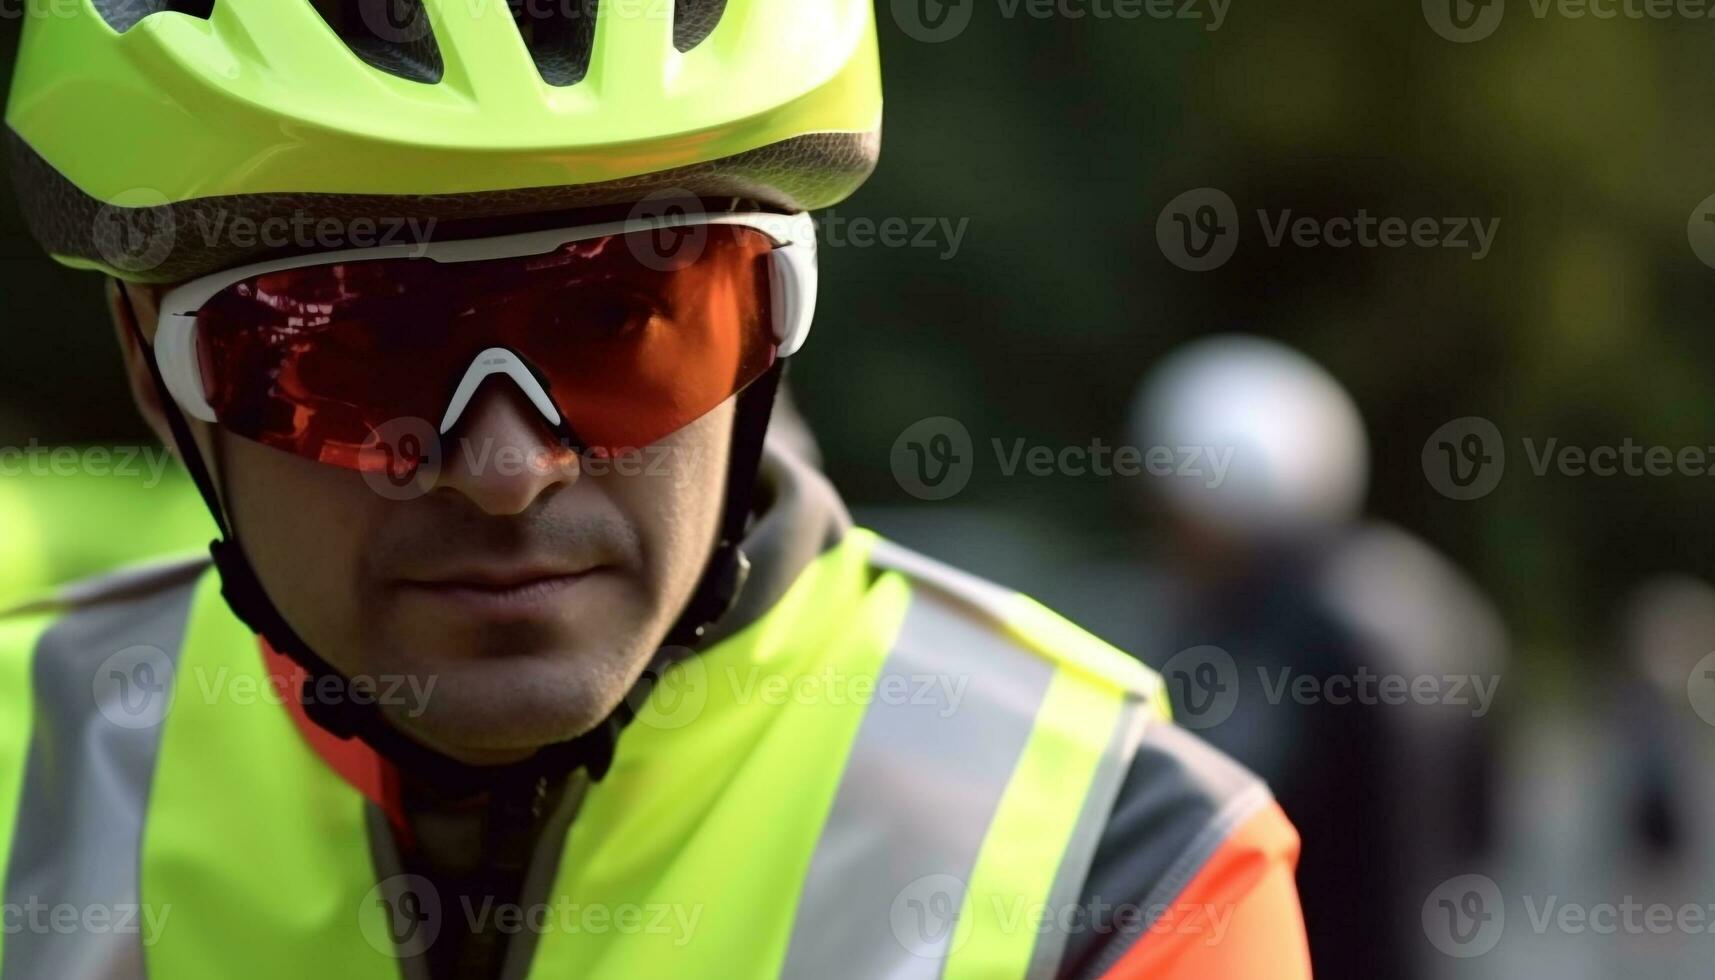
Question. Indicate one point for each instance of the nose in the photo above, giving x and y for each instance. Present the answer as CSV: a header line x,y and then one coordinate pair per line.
x,y
501,455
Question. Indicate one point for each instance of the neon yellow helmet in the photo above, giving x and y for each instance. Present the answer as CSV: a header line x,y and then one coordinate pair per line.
x,y
193,114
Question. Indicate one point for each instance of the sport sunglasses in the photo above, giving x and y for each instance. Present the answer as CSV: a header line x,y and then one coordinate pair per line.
x,y
619,334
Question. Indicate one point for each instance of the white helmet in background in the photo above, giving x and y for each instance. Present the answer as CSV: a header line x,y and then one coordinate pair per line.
x,y
1297,457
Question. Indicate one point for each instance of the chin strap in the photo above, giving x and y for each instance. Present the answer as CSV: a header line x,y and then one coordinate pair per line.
x,y
326,695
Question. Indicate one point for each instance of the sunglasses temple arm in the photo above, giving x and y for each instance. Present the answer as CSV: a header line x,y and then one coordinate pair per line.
x,y
189,454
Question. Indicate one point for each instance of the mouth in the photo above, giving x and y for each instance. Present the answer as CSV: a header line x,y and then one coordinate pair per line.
x,y
497,591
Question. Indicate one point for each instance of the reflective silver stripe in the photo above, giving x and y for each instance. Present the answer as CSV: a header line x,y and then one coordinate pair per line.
x,y
992,599
102,686
1087,832
920,788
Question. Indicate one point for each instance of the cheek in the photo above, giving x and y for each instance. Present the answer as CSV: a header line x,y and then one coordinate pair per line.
x,y
672,493
303,526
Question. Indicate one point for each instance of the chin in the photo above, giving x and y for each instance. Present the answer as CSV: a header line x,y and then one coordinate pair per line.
x,y
512,705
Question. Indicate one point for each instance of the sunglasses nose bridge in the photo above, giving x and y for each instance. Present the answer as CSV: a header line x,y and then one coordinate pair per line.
x,y
503,361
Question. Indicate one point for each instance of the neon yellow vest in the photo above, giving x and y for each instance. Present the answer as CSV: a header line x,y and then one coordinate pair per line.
x,y
126,505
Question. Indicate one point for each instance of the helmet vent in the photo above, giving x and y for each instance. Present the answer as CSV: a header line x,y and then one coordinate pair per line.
x,y
122,15
393,36
694,21
560,37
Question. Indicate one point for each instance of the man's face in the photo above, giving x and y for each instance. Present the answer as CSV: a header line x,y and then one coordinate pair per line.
x,y
528,586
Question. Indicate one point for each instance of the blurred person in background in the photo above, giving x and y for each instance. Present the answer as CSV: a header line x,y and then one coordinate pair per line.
x,y
1284,612
1662,711
1612,797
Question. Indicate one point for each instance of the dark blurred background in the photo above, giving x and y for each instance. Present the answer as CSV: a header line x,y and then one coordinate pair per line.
x,y
1041,153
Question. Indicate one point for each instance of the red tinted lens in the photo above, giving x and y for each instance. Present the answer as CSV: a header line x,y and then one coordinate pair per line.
x,y
635,335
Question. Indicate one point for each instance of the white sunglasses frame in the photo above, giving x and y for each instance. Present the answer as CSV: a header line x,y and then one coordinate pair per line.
x,y
793,275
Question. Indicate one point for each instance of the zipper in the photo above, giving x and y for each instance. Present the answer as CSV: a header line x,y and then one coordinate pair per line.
x,y
510,833
538,862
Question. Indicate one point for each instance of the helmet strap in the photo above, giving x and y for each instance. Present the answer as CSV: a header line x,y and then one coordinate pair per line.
x,y
325,696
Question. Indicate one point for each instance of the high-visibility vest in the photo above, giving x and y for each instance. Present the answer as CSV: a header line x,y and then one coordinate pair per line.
x,y
60,525
23,559
883,776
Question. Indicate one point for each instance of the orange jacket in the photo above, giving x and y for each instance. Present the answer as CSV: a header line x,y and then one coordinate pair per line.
x,y
1238,918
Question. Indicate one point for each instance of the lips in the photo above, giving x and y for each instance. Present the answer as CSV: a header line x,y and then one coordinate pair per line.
x,y
495,577
499,590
